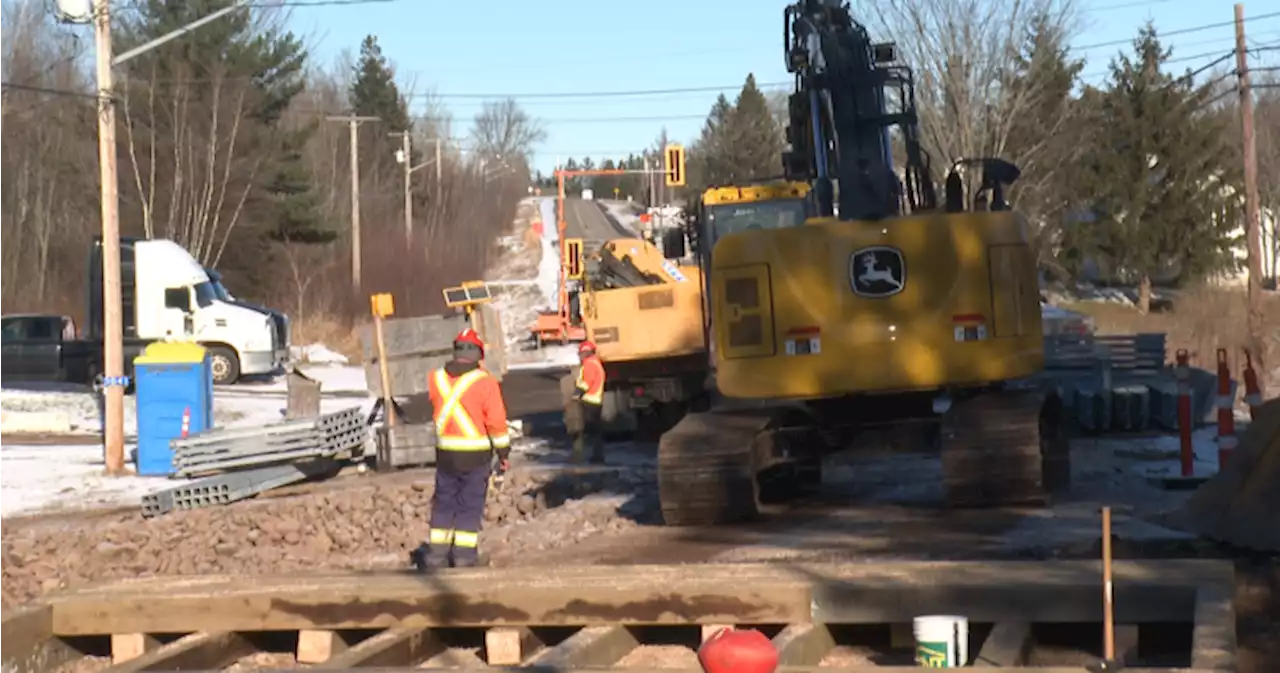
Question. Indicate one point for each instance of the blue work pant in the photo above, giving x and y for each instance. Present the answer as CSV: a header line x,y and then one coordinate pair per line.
x,y
457,509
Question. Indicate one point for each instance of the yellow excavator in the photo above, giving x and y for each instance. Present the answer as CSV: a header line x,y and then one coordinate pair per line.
x,y
886,307
644,310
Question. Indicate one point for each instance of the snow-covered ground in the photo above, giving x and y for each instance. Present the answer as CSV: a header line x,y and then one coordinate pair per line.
x,y
70,476
520,304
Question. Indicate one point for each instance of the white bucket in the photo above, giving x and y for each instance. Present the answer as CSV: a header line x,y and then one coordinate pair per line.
x,y
942,641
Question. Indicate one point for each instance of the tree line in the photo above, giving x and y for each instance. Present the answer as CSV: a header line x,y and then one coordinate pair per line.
x,y
1136,179
226,146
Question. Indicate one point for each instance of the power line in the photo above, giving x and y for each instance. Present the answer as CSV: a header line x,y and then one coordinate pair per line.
x,y
14,86
1180,31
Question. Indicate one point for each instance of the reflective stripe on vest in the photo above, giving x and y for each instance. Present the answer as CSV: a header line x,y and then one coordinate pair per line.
x,y
590,398
466,437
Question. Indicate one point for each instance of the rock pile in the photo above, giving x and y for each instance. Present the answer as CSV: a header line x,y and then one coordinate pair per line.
x,y
365,525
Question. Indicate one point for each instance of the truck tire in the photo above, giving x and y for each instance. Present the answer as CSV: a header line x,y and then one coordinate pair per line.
x,y
225,364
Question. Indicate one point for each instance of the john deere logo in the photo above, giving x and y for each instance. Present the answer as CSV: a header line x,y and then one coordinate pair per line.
x,y
877,272
932,655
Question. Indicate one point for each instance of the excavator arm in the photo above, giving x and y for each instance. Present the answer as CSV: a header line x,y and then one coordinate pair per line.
x,y
841,125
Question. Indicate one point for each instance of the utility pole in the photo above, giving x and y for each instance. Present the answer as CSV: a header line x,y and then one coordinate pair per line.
x,y
113,381
353,122
112,301
439,169
406,160
1252,214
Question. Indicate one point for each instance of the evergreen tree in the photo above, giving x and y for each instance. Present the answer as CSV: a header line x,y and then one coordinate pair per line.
x,y
295,203
1157,170
755,139
1044,134
374,91
225,85
739,142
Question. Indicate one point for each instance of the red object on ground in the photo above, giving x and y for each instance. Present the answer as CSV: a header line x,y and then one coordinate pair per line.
x,y
1226,411
734,651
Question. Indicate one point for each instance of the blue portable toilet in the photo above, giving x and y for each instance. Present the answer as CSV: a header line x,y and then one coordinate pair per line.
x,y
172,378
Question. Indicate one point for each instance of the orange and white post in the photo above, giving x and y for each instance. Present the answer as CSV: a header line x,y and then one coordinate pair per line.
x,y
1186,453
1252,392
1226,411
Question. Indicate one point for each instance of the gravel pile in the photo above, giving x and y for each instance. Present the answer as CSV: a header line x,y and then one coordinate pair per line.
x,y
366,525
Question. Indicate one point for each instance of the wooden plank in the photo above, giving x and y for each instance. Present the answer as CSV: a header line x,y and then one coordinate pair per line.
x,y
747,593
403,646
1213,638
510,645
29,645
196,651
803,644
1008,645
592,646
126,646
318,646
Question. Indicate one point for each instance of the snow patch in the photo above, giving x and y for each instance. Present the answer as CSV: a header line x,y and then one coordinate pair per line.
x,y
317,354
51,478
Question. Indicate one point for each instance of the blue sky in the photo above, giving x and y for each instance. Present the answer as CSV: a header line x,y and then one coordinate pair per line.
x,y
507,47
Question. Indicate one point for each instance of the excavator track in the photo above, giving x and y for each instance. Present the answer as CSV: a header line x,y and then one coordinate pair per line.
x,y
1003,449
707,468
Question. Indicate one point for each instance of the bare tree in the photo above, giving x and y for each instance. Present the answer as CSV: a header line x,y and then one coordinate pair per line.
x,y
974,99
504,128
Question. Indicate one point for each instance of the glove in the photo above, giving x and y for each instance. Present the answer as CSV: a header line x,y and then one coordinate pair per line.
x,y
500,467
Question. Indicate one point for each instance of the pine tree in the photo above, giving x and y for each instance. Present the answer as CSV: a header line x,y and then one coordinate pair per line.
x,y
295,203
1044,130
1162,203
754,135
373,89
230,73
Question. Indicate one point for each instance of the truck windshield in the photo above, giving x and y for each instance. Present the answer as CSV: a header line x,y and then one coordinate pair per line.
x,y
206,294
737,217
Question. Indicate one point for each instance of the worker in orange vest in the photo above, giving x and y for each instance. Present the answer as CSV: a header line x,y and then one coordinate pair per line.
x,y
589,393
471,431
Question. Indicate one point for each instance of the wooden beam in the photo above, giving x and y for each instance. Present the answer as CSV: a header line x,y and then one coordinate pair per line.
x,y
197,651
1213,638
29,644
803,644
402,646
510,645
318,646
592,646
126,646
1008,645
1054,591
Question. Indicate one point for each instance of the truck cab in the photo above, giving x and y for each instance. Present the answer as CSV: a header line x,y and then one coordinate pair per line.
x,y
167,294
43,347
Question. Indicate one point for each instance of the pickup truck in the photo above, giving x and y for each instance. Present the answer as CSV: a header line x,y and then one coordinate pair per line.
x,y
44,348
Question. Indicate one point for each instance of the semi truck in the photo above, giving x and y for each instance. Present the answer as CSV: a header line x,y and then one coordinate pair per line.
x,y
166,293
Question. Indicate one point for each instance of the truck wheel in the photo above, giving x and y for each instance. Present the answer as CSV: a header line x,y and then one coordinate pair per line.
x,y
225,365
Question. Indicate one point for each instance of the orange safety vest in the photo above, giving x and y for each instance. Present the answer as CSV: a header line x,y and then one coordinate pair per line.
x,y
591,380
459,403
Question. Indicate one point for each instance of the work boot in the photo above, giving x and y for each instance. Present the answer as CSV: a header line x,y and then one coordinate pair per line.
x,y
417,557
466,562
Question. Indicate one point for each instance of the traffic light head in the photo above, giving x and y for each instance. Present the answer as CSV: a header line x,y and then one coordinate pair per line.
x,y
673,165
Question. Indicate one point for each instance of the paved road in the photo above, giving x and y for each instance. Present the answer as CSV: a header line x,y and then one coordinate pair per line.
x,y
586,220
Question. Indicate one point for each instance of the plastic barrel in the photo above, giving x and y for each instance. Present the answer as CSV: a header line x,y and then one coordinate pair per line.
x,y
942,641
